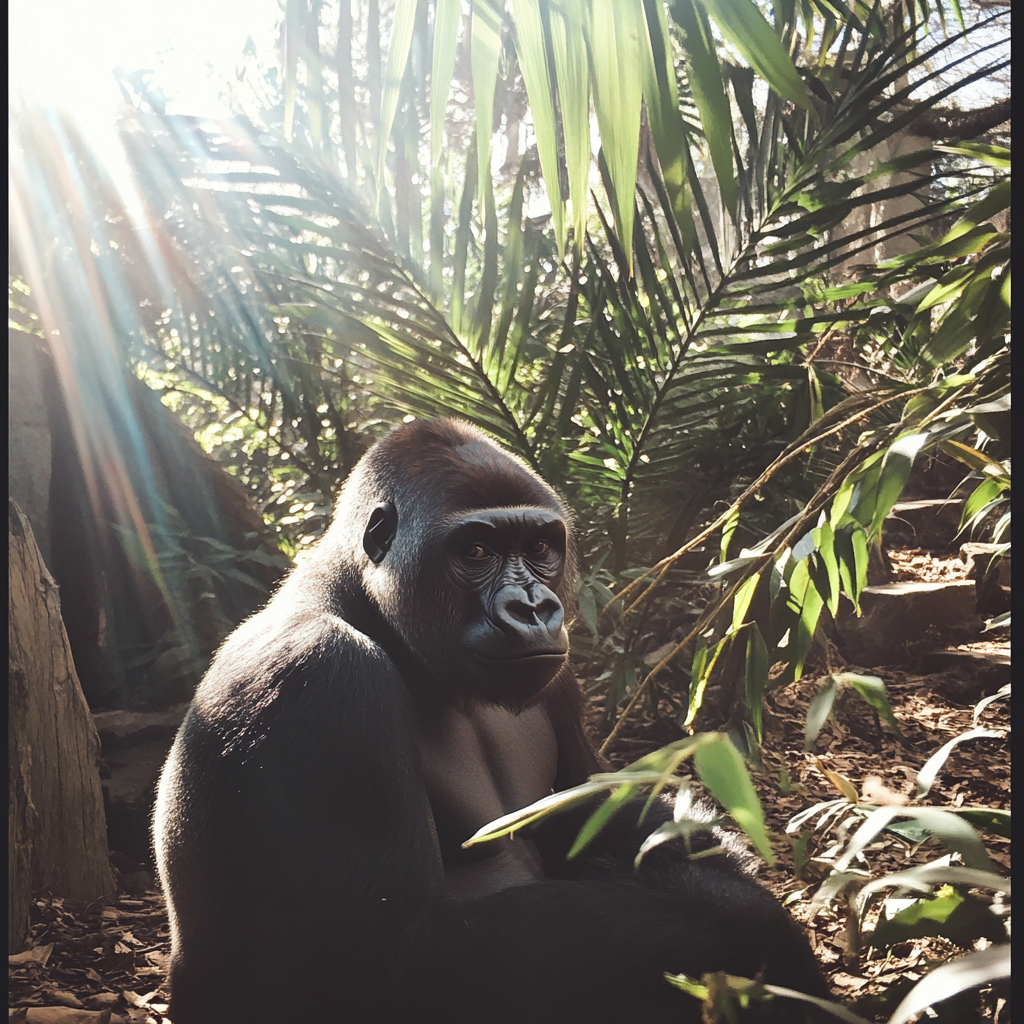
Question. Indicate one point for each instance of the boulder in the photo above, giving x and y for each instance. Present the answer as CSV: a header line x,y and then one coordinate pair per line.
x,y
967,676
135,745
932,524
897,616
991,574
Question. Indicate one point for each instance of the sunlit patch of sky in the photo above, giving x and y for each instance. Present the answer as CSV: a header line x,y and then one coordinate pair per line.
x,y
63,52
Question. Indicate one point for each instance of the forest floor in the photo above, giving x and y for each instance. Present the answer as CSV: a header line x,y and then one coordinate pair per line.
x,y
106,963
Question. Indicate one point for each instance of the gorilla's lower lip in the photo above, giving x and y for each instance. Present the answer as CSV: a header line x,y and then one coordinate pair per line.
x,y
538,656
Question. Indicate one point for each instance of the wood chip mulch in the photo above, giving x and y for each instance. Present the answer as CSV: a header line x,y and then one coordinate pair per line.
x,y
106,964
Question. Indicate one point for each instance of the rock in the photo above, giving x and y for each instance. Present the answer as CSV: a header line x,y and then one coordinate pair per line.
x,y
135,745
972,674
134,771
993,586
898,615
126,728
932,525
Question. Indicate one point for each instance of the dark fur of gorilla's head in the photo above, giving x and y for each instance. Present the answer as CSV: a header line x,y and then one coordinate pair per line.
x,y
465,554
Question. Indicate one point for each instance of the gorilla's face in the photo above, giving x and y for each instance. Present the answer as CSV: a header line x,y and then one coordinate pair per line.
x,y
478,598
505,567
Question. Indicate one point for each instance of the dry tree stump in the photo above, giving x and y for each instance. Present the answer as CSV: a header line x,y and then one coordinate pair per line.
x,y
57,831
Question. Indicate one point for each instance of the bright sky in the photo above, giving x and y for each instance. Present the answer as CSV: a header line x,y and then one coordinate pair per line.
x,y
63,52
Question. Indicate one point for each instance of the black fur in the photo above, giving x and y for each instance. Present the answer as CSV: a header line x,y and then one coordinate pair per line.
x,y
350,736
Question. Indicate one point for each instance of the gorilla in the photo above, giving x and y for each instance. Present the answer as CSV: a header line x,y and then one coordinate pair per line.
x,y
408,684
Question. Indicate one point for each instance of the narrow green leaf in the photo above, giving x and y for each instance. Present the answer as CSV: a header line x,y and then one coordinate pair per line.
x,y
997,200
872,689
741,601
805,600
840,503
955,834
294,30
852,552
757,678
896,466
925,877
398,58
976,460
950,914
568,43
827,554
728,529
1001,694
532,48
818,711
994,156
437,246
599,819
486,48
980,498
744,26
509,823
971,971
661,95
463,232
927,775
722,770
992,819
705,79
447,15
617,35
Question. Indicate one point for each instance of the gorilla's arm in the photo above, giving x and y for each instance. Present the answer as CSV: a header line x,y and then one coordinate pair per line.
x,y
295,835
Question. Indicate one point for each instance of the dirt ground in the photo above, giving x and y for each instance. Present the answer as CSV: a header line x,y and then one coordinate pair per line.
x,y
112,959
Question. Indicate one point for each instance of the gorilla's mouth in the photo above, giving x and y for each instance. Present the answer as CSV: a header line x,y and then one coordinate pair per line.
x,y
538,657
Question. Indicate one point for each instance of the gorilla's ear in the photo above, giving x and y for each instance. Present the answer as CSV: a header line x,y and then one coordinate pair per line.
x,y
380,531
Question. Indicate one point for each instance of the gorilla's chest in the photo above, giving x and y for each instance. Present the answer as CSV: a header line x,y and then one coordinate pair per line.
x,y
478,766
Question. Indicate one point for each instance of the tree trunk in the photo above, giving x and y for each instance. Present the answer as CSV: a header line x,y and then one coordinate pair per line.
x,y
57,831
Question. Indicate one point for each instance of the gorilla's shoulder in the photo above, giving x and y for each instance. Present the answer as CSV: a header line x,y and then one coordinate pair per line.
x,y
274,659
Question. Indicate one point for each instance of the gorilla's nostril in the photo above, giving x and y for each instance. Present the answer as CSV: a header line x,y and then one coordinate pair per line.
x,y
532,611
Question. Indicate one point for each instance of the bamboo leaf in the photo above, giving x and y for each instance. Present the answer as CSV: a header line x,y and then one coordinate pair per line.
x,y
756,678
896,466
927,775
818,711
827,555
872,689
971,971
615,801
722,770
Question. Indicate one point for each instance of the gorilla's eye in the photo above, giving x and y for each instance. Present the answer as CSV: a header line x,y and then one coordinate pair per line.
x,y
538,547
476,551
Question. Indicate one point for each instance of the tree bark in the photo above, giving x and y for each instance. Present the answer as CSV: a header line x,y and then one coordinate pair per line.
x,y
57,830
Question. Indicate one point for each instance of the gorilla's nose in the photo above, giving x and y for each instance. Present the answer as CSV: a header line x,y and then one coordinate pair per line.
x,y
528,613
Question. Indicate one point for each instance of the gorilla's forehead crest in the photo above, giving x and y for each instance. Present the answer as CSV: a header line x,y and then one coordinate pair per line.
x,y
457,460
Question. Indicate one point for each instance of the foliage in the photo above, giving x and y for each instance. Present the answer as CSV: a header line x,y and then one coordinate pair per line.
x,y
199,579
331,273
835,838
805,566
938,898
